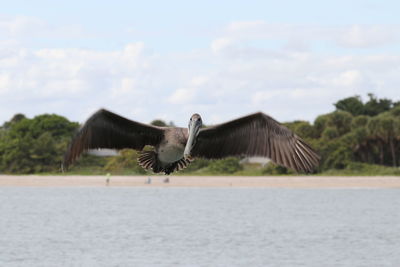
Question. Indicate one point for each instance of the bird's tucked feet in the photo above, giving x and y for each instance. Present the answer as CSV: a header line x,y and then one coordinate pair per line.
x,y
170,168
176,166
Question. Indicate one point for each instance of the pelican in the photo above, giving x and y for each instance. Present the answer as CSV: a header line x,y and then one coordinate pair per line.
x,y
174,147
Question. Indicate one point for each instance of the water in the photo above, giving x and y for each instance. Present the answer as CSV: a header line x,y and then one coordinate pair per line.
x,y
199,227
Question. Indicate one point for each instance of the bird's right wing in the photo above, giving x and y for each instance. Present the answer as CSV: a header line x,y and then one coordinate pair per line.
x,y
105,129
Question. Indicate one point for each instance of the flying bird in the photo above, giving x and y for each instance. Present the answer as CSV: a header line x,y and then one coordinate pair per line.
x,y
174,147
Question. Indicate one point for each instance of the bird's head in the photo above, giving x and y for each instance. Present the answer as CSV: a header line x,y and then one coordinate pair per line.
x,y
194,126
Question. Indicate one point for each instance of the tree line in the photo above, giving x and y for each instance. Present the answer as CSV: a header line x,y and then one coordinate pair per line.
x,y
357,131
355,135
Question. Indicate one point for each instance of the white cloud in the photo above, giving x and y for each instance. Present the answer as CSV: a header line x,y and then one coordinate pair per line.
x,y
4,83
125,86
221,43
296,36
20,25
199,80
35,79
238,73
25,28
350,78
260,97
182,96
364,36
133,50
246,25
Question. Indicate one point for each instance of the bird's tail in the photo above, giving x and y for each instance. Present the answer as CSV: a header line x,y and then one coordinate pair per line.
x,y
148,161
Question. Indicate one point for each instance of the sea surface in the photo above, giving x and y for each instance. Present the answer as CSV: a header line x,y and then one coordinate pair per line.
x,y
111,226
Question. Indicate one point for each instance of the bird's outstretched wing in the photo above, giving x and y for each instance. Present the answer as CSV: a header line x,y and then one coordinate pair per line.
x,y
256,135
105,129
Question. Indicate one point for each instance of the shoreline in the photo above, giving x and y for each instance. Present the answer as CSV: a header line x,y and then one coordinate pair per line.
x,y
203,181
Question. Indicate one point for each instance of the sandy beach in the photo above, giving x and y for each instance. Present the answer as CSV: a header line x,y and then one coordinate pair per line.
x,y
207,181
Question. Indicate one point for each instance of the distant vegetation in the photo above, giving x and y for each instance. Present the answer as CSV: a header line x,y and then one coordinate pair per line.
x,y
34,145
358,138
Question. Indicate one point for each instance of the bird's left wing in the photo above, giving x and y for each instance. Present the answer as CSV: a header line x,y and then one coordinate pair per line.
x,y
105,129
256,135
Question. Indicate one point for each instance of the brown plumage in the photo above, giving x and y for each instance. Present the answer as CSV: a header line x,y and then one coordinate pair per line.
x,y
105,129
253,135
256,135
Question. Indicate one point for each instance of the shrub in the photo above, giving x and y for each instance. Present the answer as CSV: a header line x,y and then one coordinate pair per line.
x,y
227,165
273,169
125,161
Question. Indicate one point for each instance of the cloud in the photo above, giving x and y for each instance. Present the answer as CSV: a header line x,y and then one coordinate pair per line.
x,y
182,96
125,86
246,25
220,44
4,83
348,36
26,29
70,77
260,97
20,25
250,66
365,36
349,78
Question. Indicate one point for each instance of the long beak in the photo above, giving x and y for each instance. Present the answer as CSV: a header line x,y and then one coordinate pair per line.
x,y
193,129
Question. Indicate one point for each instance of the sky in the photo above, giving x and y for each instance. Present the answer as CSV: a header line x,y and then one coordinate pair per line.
x,y
169,59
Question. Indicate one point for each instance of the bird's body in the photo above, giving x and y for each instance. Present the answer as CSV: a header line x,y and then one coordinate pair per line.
x,y
169,151
172,146
175,147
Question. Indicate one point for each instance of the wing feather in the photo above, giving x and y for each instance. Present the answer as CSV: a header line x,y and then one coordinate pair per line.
x,y
105,129
256,135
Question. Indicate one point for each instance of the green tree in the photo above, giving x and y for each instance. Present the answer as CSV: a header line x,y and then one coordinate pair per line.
x,y
376,133
159,123
320,124
353,105
395,111
339,157
375,106
330,133
302,128
385,129
16,118
360,139
34,145
359,121
341,120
